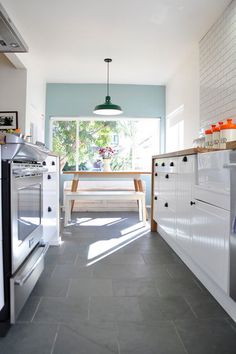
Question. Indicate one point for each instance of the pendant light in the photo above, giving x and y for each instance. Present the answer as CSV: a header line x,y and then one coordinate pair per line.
x,y
108,108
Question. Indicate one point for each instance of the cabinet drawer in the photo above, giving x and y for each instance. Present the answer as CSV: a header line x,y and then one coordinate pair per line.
x,y
187,164
166,165
51,163
50,180
165,186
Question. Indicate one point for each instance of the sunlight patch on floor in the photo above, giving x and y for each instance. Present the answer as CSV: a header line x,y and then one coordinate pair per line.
x,y
96,221
102,249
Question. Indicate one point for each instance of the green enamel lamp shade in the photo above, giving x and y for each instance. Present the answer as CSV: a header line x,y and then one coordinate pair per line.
x,y
108,108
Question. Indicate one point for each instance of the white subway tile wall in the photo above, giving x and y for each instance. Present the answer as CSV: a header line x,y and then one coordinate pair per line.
x,y
218,70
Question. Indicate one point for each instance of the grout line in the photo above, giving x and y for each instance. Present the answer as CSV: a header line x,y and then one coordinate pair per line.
x,y
76,259
51,276
180,339
40,300
89,303
55,339
167,270
69,287
191,308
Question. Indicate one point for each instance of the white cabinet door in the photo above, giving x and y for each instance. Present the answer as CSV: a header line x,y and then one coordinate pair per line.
x,y
1,278
166,217
186,179
210,241
51,207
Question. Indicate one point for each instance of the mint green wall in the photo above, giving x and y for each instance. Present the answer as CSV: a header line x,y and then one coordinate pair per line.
x,y
79,100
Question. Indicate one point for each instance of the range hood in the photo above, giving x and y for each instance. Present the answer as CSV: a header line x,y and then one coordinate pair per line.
x,y
10,39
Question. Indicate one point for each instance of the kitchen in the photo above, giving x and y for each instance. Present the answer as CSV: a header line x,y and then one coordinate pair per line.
x,y
207,46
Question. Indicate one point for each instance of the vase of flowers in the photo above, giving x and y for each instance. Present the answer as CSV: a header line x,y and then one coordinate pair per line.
x,y
106,153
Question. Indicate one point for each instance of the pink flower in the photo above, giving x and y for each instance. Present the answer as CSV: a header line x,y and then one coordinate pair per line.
x,y
106,152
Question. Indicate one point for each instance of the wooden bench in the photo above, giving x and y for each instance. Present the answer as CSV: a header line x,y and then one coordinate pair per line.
x,y
105,195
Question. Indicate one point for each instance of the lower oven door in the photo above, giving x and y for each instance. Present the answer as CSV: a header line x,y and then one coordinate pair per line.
x,y
23,282
26,216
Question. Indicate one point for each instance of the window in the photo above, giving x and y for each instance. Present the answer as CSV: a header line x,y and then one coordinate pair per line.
x,y
77,141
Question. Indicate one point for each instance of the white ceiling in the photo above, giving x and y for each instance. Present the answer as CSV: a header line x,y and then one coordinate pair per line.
x,y
147,39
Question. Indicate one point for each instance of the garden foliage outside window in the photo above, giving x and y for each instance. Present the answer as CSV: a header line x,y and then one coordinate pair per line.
x,y
78,140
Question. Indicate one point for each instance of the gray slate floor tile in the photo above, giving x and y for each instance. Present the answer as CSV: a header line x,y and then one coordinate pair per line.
x,y
62,310
184,286
134,287
115,309
207,336
51,287
129,271
29,309
205,306
158,339
70,271
86,338
164,308
160,258
90,287
29,338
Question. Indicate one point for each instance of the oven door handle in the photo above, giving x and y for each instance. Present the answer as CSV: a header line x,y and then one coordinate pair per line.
x,y
229,165
22,279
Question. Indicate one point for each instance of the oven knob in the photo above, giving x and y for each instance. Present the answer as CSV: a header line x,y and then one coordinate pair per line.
x,y
49,209
49,176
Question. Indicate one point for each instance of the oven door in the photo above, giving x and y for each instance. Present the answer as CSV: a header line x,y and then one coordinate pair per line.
x,y
26,216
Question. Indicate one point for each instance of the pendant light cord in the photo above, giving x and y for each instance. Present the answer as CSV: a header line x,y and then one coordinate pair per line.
x,y
107,78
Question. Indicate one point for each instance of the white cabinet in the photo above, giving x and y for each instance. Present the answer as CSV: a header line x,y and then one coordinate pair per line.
x,y
186,178
210,241
51,201
164,203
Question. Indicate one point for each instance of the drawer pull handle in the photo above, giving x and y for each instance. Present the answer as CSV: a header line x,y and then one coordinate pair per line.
x,y
166,205
53,163
49,209
49,177
44,163
156,174
167,176
163,164
192,203
185,159
172,164
155,198
156,164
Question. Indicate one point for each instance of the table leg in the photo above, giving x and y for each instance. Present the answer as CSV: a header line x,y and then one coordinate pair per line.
x,y
141,189
74,186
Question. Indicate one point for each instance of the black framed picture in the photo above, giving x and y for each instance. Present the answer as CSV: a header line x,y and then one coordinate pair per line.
x,y
8,120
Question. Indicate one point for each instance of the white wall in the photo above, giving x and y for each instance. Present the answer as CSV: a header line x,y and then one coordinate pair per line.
x,y
182,104
13,90
35,103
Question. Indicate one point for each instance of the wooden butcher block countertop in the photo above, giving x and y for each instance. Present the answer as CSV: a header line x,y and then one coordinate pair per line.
x,y
229,146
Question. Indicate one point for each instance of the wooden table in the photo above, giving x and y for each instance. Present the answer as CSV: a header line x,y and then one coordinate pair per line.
x,y
134,175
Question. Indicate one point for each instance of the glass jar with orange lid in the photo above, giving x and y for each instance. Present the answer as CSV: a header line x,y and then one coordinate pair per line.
x,y
215,136
227,133
208,139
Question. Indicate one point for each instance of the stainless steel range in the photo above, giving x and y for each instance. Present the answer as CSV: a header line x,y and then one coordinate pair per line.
x,y
23,253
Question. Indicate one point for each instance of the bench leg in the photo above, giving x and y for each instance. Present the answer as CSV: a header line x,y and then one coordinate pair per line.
x,y
144,211
67,216
140,207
